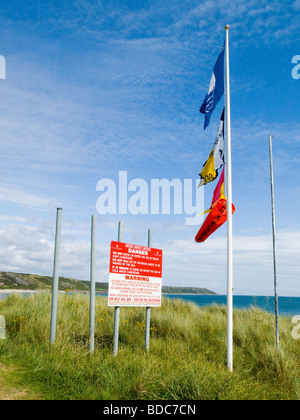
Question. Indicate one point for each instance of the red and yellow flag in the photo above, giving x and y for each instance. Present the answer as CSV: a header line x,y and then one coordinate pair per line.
x,y
219,192
217,212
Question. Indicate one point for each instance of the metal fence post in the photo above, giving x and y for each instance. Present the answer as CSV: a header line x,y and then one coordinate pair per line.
x,y
55,276
92,285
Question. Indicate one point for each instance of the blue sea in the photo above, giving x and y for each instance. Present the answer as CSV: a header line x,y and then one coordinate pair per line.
x,y
288,306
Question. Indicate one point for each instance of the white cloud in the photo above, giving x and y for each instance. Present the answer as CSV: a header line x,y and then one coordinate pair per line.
x,y
30,249
204,265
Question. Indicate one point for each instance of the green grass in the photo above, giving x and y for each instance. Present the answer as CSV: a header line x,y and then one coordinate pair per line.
x,y
187,359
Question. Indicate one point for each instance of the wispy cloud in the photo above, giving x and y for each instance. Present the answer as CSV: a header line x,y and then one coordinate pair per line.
x,y
23,199
30,248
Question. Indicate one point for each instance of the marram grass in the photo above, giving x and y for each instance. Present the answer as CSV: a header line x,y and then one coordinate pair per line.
x,y
187,358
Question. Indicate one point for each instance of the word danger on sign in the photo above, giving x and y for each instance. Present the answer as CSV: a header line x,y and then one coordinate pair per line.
x,y
135,275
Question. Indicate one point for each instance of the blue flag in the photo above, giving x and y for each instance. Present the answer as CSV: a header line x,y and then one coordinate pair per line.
x,y
215,90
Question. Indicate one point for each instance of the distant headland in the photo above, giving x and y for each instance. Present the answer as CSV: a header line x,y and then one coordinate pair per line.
x,y
26,282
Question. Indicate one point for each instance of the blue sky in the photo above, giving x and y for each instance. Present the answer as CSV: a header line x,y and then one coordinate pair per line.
x,y
97,87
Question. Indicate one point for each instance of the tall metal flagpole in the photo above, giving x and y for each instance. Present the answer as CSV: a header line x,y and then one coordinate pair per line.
x,y
229,215
274,240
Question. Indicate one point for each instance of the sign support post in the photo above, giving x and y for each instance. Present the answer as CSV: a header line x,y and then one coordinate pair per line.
x,y
148,310
117,308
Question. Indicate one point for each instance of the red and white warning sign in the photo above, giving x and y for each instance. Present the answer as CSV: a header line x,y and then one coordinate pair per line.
x,y
135,275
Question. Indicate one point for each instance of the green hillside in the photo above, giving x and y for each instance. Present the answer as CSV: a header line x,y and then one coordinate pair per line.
x,y
21,281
